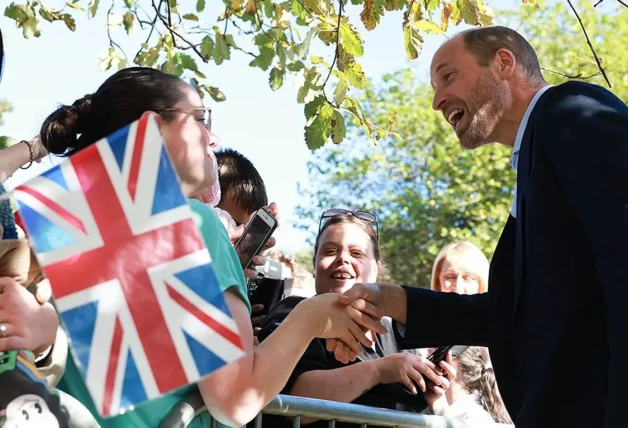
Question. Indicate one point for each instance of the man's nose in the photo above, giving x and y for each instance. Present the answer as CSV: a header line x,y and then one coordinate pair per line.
x,y
439,101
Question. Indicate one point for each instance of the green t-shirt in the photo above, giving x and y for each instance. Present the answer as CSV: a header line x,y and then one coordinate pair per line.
x,y
150,414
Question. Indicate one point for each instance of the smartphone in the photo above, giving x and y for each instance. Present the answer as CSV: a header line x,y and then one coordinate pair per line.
x,y
257,233
440,353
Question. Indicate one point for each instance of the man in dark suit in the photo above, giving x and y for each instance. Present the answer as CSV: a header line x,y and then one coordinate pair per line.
x,y
556,315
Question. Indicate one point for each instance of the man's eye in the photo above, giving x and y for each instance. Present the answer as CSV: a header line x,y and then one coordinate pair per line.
x,y
448,76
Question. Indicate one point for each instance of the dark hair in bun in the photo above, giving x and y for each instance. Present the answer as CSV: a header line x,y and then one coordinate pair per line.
x,y
122,99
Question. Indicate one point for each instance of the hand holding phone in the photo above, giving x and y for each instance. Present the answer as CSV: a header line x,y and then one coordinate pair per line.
x,y
257,233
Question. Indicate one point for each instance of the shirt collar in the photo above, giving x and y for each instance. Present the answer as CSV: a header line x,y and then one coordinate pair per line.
x,y
524,124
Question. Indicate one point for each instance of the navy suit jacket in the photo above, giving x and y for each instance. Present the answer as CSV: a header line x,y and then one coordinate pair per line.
x,y
555,317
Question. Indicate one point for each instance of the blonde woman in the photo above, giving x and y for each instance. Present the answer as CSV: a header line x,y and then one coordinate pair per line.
x,y
460,267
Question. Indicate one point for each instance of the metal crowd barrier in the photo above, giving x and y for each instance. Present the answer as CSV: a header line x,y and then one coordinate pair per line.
x,y
331,411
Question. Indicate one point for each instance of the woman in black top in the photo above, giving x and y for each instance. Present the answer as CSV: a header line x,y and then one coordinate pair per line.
x,y
347,252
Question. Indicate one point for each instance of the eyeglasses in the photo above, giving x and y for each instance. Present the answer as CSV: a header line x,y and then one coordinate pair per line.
x,y
207,113
362,215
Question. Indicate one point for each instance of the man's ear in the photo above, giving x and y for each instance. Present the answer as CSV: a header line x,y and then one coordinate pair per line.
x,y
505,64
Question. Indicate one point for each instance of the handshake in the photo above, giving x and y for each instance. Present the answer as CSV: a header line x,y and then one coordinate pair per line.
x,y
347,320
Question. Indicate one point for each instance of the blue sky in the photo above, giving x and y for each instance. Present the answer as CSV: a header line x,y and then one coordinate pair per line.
x,y
266,126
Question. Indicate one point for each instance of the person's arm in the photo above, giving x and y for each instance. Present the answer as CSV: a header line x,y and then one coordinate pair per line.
x,y
587,146
236,393
13,157
440,319
343,385
425,318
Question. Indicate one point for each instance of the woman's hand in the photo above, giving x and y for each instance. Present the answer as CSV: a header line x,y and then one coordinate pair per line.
x,y
330,319
39,151
435,394
27,324
408,369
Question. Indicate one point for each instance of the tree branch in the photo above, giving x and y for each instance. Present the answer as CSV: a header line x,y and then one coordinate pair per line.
x,y
568,76
152,26
173,33
597,60
622,3
112,43
333,63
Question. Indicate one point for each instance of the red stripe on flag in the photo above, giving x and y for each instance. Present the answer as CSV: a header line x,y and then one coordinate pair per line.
x,y
112,369
62,212
136,157
204,318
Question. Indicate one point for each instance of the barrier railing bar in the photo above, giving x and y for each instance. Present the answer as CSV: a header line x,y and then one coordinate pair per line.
x,y
286,405
300,407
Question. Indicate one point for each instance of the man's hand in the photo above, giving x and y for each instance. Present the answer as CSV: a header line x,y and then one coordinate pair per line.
x,y
374,299
329,319
27,324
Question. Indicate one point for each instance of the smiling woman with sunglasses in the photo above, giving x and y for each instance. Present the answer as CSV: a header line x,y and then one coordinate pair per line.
x,y
347,251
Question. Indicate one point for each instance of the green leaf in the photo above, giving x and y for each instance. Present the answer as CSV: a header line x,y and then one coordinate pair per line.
x,y
355,75
264,59
263,40
470,11
303,49
200,5
92,8
414,13
351,40
308,89
190,17
317,7
69,21
129,3
75,6
313,107
341,91
413,41
215,93
49,15
318,129
428,27
207,47
16,12
186,61
276,78
338,127
221,51
295,66
128,19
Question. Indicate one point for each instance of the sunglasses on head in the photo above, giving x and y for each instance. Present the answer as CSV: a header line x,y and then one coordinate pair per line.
x,y
362,215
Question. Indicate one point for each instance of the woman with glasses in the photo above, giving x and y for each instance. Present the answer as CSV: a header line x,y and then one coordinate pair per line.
x,y
237,392
347,251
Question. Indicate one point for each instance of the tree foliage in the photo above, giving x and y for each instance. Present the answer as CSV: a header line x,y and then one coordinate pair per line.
x,y
425,189
5,107
180,35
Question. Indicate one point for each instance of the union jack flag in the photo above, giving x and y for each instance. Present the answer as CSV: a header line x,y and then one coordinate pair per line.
x,y
131,276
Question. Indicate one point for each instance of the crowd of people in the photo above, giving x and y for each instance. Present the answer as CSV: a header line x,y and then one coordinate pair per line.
x,y
548,310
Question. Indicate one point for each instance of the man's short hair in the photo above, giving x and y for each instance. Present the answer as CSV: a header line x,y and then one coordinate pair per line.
x,y
239,178
484,42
